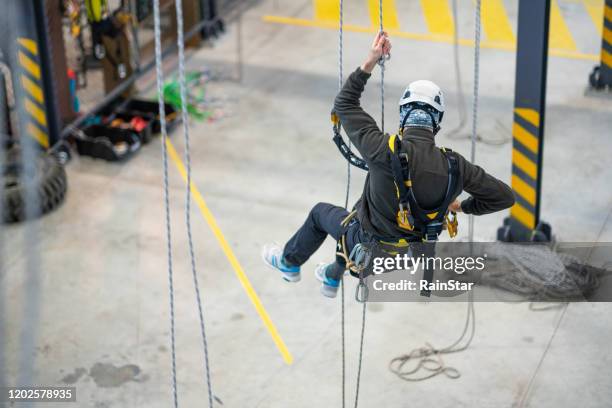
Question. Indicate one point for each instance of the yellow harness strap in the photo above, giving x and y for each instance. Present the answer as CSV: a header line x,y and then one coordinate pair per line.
x,y
451,225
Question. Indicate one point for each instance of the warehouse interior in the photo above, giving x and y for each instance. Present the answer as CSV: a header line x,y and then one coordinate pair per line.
x,y
97,205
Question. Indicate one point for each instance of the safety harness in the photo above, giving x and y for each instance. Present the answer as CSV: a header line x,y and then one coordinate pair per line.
x,y
426,224
429,223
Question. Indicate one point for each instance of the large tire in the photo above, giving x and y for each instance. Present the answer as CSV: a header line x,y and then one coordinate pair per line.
x,y
49,178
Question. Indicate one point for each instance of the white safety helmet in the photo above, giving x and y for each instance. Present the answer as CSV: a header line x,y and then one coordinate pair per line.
x,y
426,92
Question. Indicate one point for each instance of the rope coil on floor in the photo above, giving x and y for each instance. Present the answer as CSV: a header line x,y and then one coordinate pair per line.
x,y
430,359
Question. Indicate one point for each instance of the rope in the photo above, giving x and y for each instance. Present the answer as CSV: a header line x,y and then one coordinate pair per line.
x,y
541,274
430,359
459,85
162,120
363,318
475,101
343,346
344,253
185,120
525,395
456,133
346,201
340,81
381,62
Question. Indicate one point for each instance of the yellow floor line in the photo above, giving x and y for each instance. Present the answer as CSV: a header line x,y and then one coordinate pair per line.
x,y
495,21
327,10
498,45
595,10
560,36
390,20
438,16
242,277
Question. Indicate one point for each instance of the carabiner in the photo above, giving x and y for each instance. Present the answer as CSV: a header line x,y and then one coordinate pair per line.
x,y
362,292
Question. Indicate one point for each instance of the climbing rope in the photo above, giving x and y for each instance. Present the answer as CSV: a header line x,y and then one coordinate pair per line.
x,y
162,121
361,164
340,81
461,96
475,101
346,200
456,133
429,358
361,294
185,120
381,63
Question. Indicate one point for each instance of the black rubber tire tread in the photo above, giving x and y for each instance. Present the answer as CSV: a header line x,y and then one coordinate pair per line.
x,y
51,183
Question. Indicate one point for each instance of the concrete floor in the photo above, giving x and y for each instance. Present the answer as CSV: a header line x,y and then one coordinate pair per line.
x,y
103,318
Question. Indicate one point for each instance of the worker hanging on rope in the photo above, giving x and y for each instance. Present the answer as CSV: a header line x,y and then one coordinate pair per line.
x,y
411,187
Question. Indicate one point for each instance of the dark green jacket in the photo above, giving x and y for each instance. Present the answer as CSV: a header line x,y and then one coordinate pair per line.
x,y
378,206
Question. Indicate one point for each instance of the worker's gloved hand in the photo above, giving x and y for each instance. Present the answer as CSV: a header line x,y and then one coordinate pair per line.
x,y
380,47
455,206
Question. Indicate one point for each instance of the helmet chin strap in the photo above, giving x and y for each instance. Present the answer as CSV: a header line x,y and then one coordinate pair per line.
x,y
436,127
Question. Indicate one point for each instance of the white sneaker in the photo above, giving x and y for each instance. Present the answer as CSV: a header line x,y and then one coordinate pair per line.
x,y
272,255
329,287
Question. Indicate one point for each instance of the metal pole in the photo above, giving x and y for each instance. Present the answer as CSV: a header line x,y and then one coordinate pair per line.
x,y
239,58
601,77
49,73
528,128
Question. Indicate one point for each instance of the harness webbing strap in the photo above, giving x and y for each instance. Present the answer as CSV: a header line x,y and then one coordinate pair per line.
x,y
346,151
401,178
429,222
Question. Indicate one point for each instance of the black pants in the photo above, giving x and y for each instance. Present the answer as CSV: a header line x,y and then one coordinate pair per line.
x,y
323,220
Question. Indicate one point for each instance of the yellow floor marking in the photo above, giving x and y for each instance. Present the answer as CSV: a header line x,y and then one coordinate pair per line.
x,y
327,10
560,36
595,9
438,17
301,22
390,20
242,277
495,21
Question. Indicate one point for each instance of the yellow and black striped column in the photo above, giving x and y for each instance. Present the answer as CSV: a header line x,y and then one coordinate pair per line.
x,y
528,122
526,167
601,76
24,50
34,119
605,69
